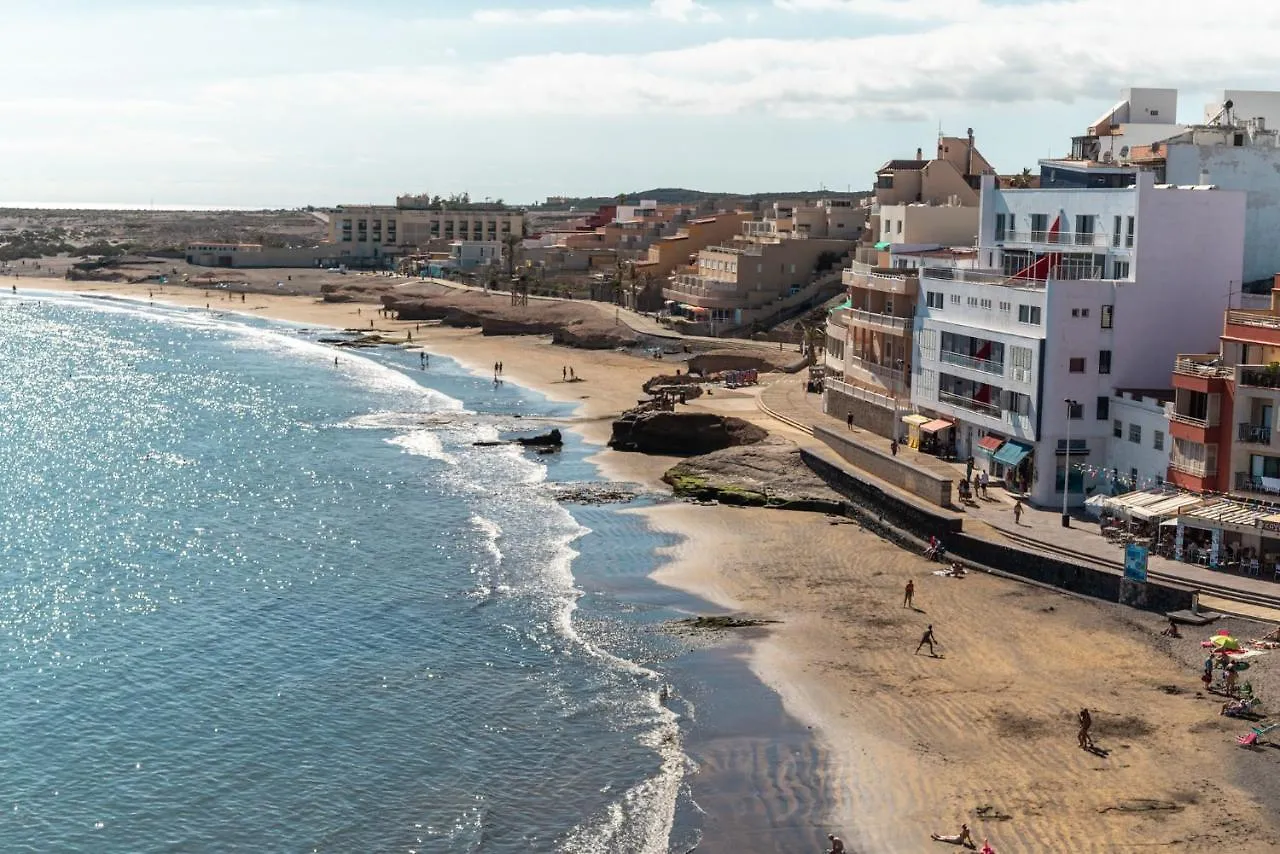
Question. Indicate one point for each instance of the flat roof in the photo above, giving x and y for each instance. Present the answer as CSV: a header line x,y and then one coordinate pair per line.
x,y
1164,395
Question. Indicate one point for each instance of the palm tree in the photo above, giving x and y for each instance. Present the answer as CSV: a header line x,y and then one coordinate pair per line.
x,y
512,243
1023,180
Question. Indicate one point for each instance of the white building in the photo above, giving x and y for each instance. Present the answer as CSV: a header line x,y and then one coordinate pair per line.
x,y
1137,454
1084,291
647,209
467,254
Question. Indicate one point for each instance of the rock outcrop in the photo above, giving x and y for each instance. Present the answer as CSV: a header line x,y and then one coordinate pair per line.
x,y
568,323
681,433
766,474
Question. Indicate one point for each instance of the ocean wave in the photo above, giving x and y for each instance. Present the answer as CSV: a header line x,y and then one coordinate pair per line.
x,y
423,443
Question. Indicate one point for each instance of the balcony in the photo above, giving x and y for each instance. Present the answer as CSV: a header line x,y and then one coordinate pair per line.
x,y
986,366
1259,376
1195,468
1061,238
1205,365
981,407
885,322
1246,482
1189,420
884,279
1254,434
982,277
1261,319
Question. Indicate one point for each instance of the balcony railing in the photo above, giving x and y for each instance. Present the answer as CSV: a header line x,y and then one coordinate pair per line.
x,y
1249,318
1258,376
1195,468
979,406
1246,482
1189,420
985,365
897,325
982,277
1201,365
1254,434
1061,238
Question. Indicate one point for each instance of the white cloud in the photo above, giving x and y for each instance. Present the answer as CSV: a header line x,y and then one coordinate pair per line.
x,y
1050,51
683,11
937,11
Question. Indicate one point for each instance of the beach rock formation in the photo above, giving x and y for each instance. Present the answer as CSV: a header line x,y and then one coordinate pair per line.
x,y
767,474
681,433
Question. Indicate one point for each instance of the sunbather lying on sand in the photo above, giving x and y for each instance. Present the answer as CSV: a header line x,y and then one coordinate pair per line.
x,y
961,838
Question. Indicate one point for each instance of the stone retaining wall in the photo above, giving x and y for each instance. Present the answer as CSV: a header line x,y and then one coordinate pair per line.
x,y
933,488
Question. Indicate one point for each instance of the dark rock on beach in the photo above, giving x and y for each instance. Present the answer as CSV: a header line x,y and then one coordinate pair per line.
x,y
681,433
766,474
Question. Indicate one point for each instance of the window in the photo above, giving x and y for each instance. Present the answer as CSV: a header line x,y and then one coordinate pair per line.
x,y
1019,403
955,299
1128,231
1120,270
1005,306
1135,434
1075,411
1076,365
1115,231
1117,429
1020,358
1157,440
1084,230
899,226
1104,361
1039,227
934,299
1104,407
986,303
1107,311
1000,227
1079,312
973,302
1029,314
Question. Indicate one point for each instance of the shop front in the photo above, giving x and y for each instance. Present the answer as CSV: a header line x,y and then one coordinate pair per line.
x,y
1015,464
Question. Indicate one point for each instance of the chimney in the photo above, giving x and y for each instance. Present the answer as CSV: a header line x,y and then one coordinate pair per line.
x,y
968,162
919,154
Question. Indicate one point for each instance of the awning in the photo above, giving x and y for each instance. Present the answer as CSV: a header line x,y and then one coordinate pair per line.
x,y
883,244
1011,453
1170,506
915,419
846,304
990,444
936,426
1229,515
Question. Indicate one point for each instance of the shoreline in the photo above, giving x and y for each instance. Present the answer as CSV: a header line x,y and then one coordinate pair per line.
x,y
982,733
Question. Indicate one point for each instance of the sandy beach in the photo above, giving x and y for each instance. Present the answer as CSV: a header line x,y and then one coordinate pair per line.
x,y
981,733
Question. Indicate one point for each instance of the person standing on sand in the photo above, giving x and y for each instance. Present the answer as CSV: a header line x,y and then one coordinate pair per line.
x,y
927,638
564,373
837,844
908,595
1086,721
1017,511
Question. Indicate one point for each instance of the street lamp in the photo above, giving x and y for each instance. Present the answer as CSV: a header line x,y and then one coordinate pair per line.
x,y
1066,465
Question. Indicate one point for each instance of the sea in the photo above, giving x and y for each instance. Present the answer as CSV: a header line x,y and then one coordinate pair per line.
x,y
253,600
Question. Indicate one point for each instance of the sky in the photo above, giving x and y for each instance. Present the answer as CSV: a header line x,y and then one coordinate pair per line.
x,y
283,103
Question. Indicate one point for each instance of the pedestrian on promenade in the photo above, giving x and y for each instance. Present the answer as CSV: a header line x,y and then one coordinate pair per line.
x,y
968,468
908,595
927,638
1017,511
849,419
893,446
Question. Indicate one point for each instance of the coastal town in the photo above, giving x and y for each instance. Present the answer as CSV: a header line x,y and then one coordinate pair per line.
x,y
1050,386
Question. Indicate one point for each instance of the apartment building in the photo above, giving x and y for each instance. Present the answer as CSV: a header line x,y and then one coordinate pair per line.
x,y
666,254
1223,418
1082,291
1137,456
383,231
739,283
835,218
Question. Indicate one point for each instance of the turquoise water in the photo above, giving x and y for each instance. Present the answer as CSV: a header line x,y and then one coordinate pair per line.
x,y
252,600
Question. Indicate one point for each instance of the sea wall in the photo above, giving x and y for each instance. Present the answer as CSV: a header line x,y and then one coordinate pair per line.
x,y
933,488
909,525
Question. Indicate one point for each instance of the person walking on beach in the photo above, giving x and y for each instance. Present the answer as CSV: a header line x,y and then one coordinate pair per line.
x,y
837,844
564,373
927,638
908,595
1086,721
1017,511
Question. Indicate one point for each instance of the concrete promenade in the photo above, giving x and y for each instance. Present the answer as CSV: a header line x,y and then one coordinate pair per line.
x,y
1041,530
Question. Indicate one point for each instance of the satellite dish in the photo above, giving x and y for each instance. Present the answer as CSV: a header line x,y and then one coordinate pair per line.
x,y
1124,151
1228,104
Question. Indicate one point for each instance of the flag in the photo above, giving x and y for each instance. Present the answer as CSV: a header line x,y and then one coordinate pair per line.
x,y
1055,229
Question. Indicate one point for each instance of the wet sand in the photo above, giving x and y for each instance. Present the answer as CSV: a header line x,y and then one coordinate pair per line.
x,y
910,744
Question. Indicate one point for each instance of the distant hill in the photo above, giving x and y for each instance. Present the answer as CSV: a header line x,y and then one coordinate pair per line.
x,y
681,195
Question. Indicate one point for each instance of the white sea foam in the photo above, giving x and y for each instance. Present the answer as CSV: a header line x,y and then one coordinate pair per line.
x,y
423,443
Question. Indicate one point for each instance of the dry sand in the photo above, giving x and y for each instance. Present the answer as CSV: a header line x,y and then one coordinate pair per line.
x,y
914,744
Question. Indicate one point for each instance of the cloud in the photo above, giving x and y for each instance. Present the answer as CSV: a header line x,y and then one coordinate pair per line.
x,y
1037,53
683,11
936,11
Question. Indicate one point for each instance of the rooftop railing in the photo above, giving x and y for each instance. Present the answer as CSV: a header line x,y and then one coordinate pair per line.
x,y
900,325
1201,365
1060,238
1264,320
969,403
982,277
